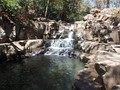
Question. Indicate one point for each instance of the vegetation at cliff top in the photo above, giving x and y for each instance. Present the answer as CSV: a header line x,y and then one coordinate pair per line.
x,y
66,10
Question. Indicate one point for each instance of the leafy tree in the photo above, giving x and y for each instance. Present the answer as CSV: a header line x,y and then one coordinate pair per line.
x,y
67,10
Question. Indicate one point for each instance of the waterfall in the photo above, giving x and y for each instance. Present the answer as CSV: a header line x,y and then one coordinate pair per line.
x,y
62,47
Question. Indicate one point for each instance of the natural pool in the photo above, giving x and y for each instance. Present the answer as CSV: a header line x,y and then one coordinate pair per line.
x,y
39,73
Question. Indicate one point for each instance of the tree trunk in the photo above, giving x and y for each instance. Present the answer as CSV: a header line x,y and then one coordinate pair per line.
x,y
46,10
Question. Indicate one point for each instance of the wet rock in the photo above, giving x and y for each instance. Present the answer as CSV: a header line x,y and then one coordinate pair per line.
x,y
31,44
19,49
33,47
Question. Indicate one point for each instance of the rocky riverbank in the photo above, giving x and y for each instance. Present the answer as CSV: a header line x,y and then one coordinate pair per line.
x,y
20,49
98,41
25,36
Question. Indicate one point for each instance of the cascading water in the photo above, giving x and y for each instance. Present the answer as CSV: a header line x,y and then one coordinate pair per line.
x,y
62,47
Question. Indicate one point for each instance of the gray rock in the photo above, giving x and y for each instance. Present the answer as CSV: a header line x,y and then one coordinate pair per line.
x,y
2,34
107,65
117,87
89,17
33,46
118,26
94,11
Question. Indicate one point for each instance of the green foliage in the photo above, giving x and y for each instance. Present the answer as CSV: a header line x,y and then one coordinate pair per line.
x,y
66,10
2,3
12,4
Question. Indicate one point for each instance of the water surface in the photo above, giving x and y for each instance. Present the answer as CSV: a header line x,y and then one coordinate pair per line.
x,y
39,73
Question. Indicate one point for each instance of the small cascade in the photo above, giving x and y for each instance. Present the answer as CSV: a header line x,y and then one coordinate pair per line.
x,y
61,47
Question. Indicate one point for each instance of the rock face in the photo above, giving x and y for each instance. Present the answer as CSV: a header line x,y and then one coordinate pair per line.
x,y
27,29
90,47
112,78
103,66
99,25
97,37
107,65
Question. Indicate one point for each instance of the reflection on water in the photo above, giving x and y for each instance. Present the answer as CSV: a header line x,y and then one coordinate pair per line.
x,y
39,73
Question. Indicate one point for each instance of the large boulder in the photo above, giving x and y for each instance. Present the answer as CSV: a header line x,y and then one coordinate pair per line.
x,y
7,52
9,28
95,11
2,35
92,47
119,26
112,78
80,29
33,47
39,29
107,65
103,67
115,35
89,17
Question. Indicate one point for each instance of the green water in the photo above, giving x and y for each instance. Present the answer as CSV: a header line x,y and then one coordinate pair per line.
x,y
39,73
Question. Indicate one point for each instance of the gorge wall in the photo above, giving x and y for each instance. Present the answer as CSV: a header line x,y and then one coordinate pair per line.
x,y
98,40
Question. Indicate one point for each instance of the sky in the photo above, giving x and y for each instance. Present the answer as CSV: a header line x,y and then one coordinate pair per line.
x,y
113,3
